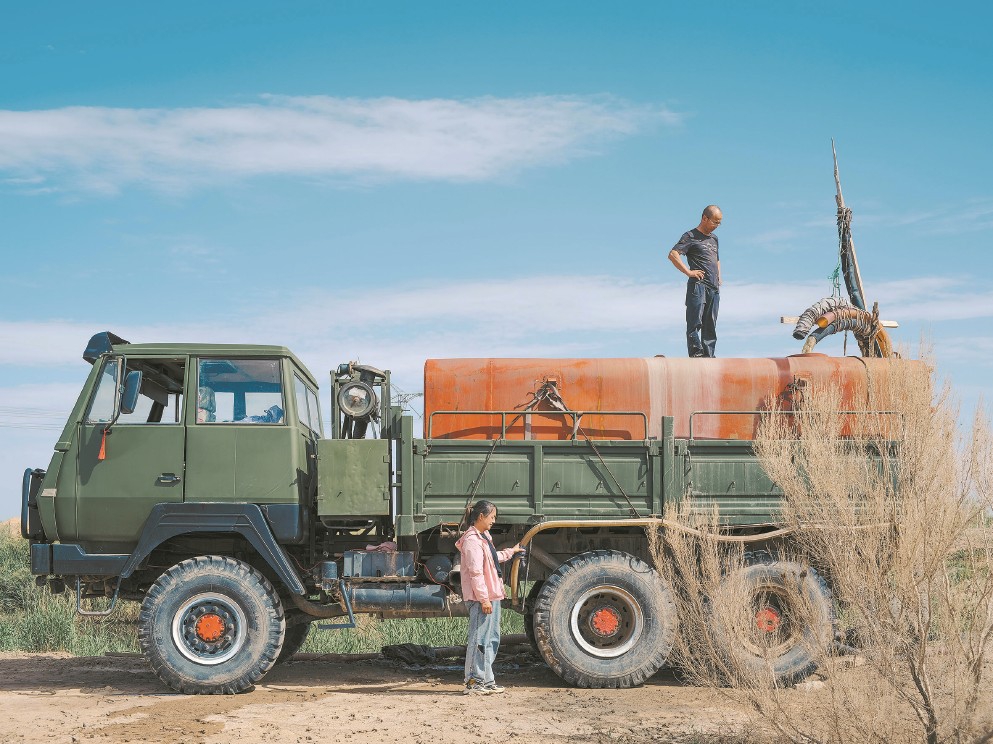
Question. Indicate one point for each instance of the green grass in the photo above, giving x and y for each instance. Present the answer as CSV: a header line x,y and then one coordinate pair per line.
x,y
371,634
32,619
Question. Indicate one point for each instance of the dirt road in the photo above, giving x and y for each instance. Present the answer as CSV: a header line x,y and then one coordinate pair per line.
x,y
102,700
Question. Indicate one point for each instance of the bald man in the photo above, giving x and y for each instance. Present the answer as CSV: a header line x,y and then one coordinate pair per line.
x,y
703,286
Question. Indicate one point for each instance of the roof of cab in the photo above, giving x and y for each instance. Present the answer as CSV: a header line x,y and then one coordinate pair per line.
x,y
216,350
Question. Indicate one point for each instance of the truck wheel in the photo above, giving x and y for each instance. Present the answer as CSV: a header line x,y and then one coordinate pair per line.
x,y
529,613
211,625
790,619
293,641
605,619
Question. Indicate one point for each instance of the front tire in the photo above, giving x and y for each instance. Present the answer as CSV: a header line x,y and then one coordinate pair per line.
x,y
296,636
211,625
605,619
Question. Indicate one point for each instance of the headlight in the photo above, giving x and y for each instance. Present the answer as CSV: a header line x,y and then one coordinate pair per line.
x,y
357,399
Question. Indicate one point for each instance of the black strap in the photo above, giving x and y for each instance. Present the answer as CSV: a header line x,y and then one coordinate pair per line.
x,y
496,558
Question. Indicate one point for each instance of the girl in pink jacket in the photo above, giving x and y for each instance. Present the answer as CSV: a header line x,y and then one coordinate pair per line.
x,y
482,590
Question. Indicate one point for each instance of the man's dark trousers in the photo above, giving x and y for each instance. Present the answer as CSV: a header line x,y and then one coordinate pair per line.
x,y
702,303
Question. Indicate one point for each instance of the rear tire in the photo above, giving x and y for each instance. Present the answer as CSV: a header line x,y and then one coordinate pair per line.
x,y
211,625
529,614
791,620
605,619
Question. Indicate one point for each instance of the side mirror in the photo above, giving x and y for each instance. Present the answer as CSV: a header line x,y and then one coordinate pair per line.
x,y
132,388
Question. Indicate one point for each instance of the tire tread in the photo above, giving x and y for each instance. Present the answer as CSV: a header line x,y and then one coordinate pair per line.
x,y
588,561
184,571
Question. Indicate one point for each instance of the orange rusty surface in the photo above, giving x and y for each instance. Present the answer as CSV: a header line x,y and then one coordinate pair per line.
x,y
654,386
210,627
605,621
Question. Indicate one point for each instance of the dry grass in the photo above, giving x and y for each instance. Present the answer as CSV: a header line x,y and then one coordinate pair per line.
x,y
892,512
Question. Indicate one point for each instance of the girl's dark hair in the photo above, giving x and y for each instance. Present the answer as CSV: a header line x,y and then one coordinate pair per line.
x,y
480,509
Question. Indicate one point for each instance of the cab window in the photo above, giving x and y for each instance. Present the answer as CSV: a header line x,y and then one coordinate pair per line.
x,y
315,412
308,410
240,391
102,404
161,396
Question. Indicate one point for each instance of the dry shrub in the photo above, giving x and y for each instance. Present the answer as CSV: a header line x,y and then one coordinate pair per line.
x,y
891,507
720,597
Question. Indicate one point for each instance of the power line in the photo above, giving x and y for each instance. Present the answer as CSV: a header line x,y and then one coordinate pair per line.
x,y
47,413
49,427
403,399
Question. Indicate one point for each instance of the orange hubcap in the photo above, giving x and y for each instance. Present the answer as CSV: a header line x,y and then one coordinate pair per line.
x,y
210,627
605,621
767,620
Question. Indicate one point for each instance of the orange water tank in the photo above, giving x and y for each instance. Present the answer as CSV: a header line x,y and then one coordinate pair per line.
x,y
717,394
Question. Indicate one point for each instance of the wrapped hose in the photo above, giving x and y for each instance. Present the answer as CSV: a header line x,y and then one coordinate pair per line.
x,y
872,338
815,311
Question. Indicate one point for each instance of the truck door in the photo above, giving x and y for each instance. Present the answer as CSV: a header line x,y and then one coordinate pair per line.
x,y
241,448
140,463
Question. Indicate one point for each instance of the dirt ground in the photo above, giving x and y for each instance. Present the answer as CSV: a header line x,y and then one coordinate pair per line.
x,y
111,699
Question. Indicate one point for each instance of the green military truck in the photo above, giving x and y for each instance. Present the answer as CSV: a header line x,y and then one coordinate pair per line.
x,y
197,480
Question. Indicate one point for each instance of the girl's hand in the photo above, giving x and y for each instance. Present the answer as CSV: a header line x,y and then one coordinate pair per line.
x,y
487,607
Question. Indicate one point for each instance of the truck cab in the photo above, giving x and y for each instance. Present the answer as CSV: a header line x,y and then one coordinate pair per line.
x,y
176,424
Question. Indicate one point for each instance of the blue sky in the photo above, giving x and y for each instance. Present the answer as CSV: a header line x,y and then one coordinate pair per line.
x,y
398,181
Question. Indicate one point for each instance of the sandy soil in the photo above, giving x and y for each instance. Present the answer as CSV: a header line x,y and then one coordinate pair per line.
x,y
100,700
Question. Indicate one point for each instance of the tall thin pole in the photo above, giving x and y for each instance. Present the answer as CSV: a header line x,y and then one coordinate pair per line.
x,y
846,246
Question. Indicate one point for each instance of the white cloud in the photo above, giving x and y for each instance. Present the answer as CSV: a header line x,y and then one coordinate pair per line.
x,y
541,315
934,299
972,215
812,222
102,149
773,238
972,351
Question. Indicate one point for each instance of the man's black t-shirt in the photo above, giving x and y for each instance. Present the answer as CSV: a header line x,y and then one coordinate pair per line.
x,y
701,252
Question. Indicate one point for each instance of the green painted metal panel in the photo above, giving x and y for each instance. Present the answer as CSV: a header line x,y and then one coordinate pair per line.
x,y
542,480
115,495
47,495
754,509
64,507
581,484
353,477
530,480
453,473
251,463
406,472
448,470
727,475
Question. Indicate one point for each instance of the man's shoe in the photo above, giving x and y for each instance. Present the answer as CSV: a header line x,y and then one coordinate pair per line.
x,y
493,688
475,687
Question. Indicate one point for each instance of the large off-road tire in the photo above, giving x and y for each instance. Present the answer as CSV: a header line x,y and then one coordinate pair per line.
x,y
529,613
790,621
293,641
605,619
211,625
